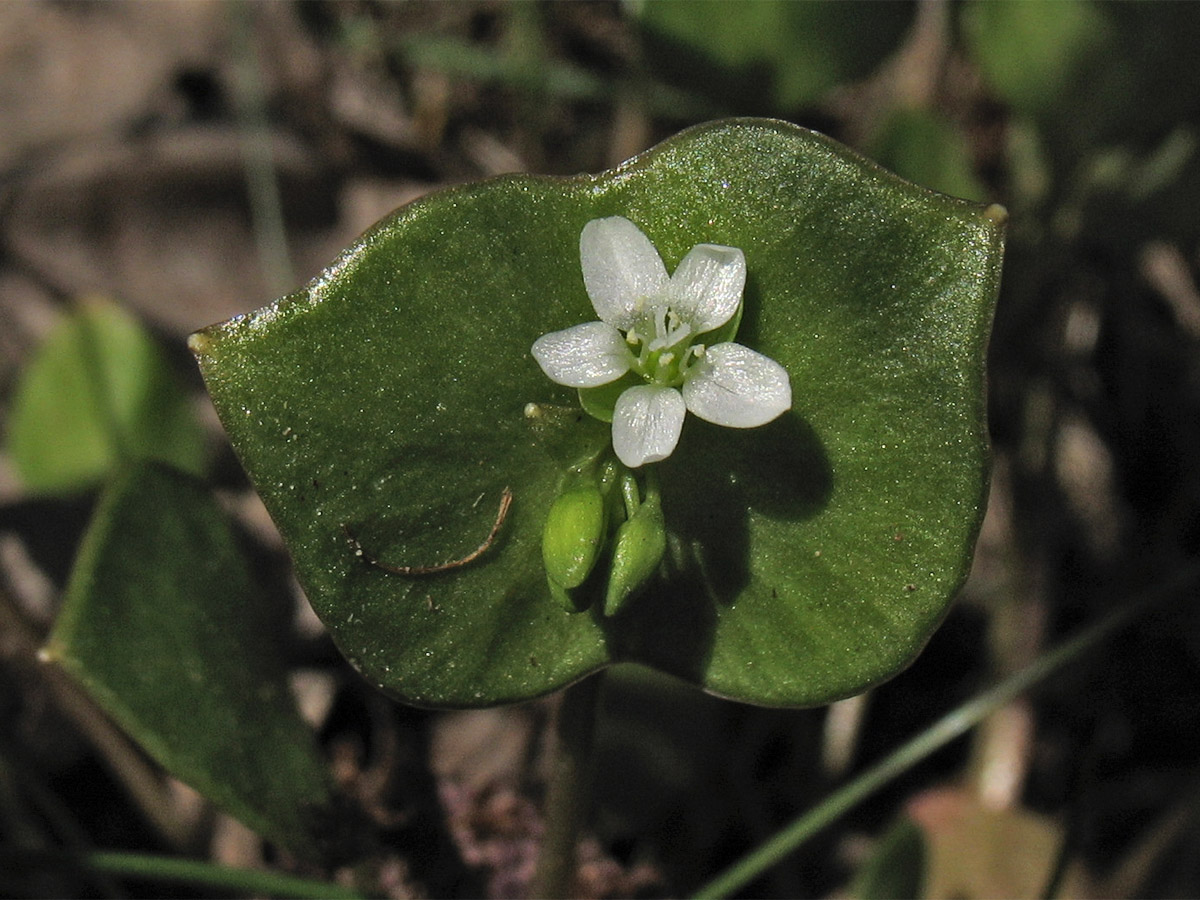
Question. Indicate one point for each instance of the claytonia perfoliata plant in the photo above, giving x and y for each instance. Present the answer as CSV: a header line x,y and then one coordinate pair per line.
x,y
664,330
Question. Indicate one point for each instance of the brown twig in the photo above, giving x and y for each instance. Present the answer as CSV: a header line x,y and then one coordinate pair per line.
x,y
501,514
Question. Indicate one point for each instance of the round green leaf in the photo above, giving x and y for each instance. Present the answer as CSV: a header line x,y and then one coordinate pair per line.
x,y
97,393
394,399
1033,54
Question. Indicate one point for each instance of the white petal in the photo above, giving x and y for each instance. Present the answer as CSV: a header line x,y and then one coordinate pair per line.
x,y
620,268
737,387
707,287
586,355
647,421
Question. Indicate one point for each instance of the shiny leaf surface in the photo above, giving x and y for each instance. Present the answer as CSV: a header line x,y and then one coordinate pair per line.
x,y
394,398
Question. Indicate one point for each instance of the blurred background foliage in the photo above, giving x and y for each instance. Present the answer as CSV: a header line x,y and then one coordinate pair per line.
x,y
190,161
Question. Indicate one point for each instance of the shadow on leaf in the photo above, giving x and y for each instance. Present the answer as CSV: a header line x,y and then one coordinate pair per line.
x,y
713,483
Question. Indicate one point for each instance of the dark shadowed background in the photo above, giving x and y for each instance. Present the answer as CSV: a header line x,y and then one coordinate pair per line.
x,y
190,161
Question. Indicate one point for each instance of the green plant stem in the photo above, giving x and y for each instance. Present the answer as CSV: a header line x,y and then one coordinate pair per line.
x,y
570,788
942,732
262,180
175,870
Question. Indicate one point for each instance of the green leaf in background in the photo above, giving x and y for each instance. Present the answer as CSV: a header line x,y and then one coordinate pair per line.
x,y
395,398
165,629
896,867
1032,53
770,54
96,393
928,150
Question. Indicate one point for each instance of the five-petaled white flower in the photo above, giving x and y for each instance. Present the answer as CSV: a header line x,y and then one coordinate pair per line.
x,y
656,327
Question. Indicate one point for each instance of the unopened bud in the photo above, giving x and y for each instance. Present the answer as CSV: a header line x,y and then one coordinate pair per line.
x,y
640,545
573,537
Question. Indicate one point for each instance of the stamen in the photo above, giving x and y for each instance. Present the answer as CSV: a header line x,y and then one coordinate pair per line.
x,y
678,335
694,354
660,329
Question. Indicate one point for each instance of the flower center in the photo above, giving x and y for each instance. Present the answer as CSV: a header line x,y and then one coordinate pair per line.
x,y
664,358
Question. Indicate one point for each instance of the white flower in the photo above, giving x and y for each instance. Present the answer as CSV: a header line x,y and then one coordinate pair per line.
x,y
658,328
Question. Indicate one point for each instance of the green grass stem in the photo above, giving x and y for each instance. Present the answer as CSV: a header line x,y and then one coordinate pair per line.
x,y
171,869
938,735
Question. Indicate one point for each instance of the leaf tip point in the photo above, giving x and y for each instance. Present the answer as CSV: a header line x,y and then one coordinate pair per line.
x,y
47,655
199,343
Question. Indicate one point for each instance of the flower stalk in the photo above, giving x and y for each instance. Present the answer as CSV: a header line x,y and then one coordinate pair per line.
x,y
569,793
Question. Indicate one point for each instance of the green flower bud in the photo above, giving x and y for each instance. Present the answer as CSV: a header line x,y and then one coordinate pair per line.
x,y
573,537
640,545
